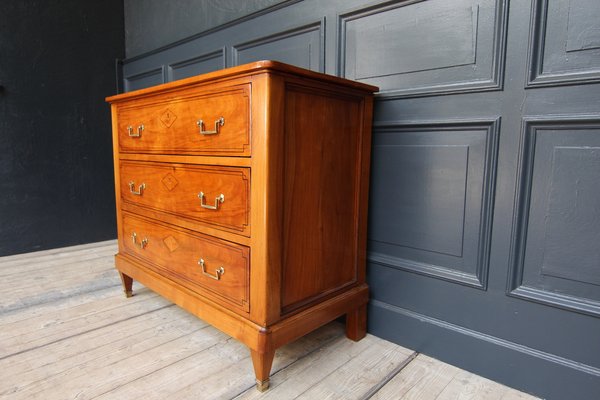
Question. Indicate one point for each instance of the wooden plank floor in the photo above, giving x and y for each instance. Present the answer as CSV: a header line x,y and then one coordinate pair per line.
x,y
67,332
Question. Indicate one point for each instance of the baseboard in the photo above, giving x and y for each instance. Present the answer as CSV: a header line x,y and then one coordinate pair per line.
x,y
529,370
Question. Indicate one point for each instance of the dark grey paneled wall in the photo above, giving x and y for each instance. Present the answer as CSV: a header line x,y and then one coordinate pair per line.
x,y
151,24
484,218
56,175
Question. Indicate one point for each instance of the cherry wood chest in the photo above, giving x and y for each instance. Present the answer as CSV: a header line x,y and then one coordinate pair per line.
x,y
242,197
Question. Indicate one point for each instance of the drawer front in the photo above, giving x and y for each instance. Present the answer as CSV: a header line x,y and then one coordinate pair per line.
x,y
216,196
214,268
170,125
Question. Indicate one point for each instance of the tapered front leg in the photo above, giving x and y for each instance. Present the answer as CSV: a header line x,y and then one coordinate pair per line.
x,y
356,323
262,368
127,284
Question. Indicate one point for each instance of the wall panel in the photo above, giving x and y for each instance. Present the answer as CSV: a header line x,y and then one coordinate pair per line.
x,y
565,42
557,255
418,48
301,46
145,79
431,192
196,65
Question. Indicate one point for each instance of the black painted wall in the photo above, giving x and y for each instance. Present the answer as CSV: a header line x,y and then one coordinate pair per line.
x,y
151,24
57,63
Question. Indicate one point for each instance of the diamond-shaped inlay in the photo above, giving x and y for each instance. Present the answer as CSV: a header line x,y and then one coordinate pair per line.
x,y
168,118
169,181
171,243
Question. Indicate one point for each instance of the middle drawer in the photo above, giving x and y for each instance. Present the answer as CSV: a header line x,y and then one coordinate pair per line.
x,y
212,195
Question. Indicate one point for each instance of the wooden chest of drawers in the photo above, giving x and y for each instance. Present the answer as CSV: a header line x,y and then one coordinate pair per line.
x,y
242,197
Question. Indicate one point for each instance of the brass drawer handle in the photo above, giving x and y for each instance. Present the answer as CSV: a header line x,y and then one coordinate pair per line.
x,y
140,190
142,244
218,199
140,128
218,272
218,123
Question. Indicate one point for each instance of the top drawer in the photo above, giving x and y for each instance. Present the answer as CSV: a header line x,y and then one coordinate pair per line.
x,y
201,122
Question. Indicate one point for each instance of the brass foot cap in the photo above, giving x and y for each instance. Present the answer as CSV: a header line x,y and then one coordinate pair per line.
x,y
262,385
128,293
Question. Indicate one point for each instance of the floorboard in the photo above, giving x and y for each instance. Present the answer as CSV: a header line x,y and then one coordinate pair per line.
x,y
68,332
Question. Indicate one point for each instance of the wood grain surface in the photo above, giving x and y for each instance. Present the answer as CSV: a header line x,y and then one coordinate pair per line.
x,y
298,207
170,123
77,339
177,253
175,189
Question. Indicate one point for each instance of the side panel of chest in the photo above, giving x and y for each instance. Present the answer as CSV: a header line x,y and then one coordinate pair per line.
x,y
321,191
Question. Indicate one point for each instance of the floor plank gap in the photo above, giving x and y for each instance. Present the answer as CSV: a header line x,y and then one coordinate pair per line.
x,y
79,333
389,376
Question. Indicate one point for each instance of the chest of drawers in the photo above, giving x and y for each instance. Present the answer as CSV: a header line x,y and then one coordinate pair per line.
x,y
242,197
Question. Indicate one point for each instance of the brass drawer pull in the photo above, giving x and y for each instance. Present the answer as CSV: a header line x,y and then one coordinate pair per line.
x,y
218,272
142,244
140,190
140,128
218,123
218,199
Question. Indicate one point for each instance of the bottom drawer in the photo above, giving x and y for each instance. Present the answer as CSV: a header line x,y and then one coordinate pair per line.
x,y
212,267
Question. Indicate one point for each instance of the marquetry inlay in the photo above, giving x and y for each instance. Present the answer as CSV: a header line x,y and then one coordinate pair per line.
x,y
171,243
168,118
169,181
